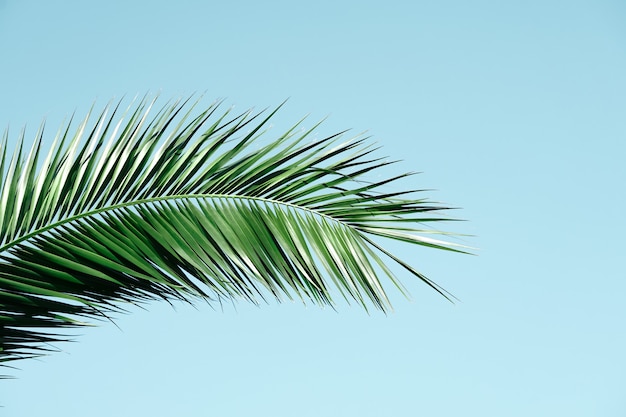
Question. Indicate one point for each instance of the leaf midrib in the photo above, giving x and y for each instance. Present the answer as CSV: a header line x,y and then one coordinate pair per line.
x,y
75,217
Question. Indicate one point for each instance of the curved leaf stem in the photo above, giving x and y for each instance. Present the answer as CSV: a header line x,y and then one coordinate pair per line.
x,y
157,199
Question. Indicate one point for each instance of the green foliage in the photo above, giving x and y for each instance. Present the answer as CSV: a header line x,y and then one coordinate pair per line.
x,y
135,207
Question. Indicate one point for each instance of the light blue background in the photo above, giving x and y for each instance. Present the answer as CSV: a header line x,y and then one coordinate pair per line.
x,y
514,111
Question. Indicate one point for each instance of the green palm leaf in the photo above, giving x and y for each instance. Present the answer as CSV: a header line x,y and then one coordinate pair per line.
x,y
176,206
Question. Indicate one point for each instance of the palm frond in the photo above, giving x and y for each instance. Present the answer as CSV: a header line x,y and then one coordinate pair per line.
x,y
134,207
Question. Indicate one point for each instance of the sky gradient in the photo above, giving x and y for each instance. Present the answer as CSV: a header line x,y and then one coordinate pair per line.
x,y
511,111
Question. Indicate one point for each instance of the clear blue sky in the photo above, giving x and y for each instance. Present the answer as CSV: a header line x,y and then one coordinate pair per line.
x,y
513,111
